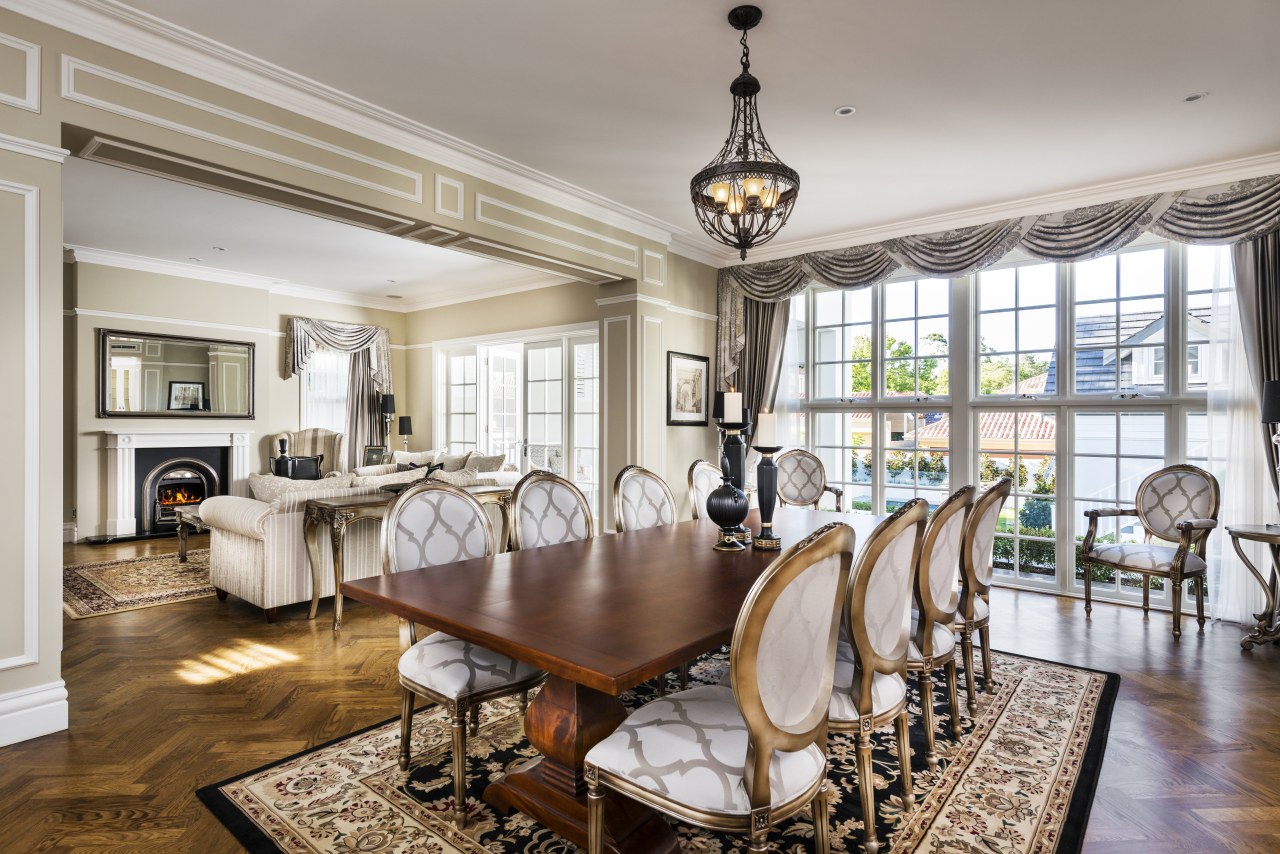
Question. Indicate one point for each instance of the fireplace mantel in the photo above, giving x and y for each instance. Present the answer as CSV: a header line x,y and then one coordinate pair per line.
x,y
119,447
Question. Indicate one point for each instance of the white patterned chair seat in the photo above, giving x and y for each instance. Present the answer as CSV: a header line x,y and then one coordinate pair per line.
x,y
1146,556
944,643
887,689
453,667
689,746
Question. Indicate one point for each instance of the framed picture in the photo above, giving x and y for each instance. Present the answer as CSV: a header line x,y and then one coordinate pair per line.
x,y
687,385
186,395
374,455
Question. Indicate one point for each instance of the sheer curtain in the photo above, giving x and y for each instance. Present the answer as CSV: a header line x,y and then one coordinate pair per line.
x,y
325,402
1236,456
789,402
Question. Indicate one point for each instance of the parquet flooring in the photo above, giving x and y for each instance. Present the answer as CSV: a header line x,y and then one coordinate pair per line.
x,y
167,699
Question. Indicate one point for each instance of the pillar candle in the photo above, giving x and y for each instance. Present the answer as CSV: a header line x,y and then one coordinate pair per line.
x,y
766,435
733,407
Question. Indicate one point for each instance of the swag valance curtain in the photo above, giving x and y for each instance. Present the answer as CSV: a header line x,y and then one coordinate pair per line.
x,y
304,334
1223,214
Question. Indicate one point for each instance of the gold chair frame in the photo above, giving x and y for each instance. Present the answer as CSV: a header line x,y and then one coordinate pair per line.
x,y
626,474
700,464
914,513
932,612
468,704
826,487
973,588
764,736
517,499
1194,535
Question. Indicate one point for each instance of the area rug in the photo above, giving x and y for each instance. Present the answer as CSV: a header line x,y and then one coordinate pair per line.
x,y
94,589
1021,779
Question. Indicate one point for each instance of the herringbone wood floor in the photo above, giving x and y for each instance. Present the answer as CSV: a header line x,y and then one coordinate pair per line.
x,y
1193,762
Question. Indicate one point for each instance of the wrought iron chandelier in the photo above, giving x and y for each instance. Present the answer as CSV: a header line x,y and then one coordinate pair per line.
x,y
744,196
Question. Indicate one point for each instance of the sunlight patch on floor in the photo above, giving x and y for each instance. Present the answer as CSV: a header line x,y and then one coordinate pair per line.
x,y
225,662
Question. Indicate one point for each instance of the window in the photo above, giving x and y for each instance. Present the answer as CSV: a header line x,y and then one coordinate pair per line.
x,y
842,343
1119,313
843,441
916,321
1017,330
1022,446
544,407
462,398
324,398
916,455
586,420
1205,266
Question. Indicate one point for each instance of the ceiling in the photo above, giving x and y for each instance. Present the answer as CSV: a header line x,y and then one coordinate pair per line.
x,y
959,105
139,220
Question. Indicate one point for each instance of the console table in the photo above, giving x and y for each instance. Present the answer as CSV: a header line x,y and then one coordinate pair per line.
x,y
188,517
1268,628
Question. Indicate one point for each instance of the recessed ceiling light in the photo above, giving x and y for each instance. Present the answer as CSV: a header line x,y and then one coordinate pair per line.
x,y
218,249
394,296
845,110
391,281
193,259
1196,96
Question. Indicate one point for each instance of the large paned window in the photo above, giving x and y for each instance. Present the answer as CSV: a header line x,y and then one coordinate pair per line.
x,y
1118,306
586,420
1017,329
1022,446
324,400
915,340
463,396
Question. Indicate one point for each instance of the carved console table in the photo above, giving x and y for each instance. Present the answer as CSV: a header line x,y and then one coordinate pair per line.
x,y
1268,628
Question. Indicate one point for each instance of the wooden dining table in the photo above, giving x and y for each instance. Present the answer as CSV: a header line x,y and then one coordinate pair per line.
x,y
600,616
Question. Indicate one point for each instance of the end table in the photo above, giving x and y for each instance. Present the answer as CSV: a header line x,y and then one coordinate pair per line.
x,y
1268,628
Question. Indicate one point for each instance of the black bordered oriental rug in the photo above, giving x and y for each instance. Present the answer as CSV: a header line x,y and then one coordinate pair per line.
x,y
109,587
1021,779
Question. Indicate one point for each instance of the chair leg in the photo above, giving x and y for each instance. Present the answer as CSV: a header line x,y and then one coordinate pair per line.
x,y
524,702
684,676
595,815
475,720
954,696
1146,595
867,789
661,684
460,765
925,678
984,633
222,594
970,689
1176,593
1088,588
1200,579
822,819
271,614
759,841
901,726
406,726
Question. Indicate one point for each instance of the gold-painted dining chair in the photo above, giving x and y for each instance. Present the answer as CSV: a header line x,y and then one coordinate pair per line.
x,y
802,479
977,566
641,499
704,478
546,509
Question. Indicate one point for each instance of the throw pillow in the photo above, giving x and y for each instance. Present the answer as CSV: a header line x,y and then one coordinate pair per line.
x,y
462,477
269,487
417,457
395,477
452,462
305,468
425,469
369,471
481,463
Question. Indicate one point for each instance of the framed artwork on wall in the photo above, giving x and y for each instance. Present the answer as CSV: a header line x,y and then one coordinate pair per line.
x,y
186,395
687,385
374,455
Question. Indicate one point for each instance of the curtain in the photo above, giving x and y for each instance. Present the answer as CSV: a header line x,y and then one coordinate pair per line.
x,y
1240,211
1257,266
303,335
764,328
365,424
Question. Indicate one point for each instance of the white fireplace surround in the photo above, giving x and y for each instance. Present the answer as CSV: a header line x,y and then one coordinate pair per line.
x,y
122,514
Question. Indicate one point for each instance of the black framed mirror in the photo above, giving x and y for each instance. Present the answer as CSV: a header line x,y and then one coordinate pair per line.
x,y
145,375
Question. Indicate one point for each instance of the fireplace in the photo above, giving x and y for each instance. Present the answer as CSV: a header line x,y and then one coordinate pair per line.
x,y
177,483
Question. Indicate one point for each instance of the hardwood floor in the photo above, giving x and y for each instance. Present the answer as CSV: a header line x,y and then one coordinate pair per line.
x,y
167,699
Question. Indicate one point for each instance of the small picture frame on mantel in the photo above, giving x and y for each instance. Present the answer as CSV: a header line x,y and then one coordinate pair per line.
x,y
688,381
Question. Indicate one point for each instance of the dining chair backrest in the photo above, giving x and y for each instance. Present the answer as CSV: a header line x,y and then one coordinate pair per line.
x,y
979,541
939,566
641,499
1175,493
782,659
801,477
434,523
547,509
704,477
880,595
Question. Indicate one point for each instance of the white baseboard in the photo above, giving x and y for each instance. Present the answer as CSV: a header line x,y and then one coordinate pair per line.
x,y
33,712
69,532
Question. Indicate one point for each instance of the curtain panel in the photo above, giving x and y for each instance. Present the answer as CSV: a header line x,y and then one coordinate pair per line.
x,y
1223,214
304,334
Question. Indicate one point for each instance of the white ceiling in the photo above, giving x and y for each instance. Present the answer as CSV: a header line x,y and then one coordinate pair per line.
x,y
959,105
136,220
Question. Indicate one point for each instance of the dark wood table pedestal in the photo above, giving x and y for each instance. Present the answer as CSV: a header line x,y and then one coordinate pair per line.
x,y
564,721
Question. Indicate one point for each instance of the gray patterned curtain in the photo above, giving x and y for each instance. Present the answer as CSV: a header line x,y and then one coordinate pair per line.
x,y
365,424
1237,212
764,328
304,334
1257,271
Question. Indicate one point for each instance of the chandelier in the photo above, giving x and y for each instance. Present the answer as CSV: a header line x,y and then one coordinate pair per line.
x,y
744,196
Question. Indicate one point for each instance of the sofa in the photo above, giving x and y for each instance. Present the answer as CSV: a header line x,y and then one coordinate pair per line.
x,y
256,547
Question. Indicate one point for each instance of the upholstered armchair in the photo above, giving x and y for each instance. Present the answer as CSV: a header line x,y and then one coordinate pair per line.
x,y
802,480
1178,504
314,441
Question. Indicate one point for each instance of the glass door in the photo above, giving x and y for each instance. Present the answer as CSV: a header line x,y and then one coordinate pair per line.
x,y
505,426
544,406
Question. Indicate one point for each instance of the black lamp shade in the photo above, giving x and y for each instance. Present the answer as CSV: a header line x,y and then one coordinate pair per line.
x,y
717,406
1271,402
388,404
406,425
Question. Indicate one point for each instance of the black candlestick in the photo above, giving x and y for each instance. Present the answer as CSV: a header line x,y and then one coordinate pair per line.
x,y
767,495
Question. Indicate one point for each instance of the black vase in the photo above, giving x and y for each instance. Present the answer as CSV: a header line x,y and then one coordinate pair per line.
x,y
728,506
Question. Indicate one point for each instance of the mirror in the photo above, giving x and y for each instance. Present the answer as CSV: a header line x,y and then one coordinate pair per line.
x,y
141,375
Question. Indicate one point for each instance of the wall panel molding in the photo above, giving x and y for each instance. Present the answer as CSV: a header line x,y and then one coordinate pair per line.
x,y
655,268
448,190
27,94
150,318
32,148
499,214
653,393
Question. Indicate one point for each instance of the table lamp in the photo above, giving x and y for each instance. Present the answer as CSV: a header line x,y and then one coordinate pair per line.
x,y
406,430
388,412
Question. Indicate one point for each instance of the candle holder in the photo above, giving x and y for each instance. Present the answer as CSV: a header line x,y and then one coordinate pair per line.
x,y
767,494
734,451
728,506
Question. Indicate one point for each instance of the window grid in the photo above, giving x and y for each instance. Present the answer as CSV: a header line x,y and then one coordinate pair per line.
x,y
916,332
1022,445
1017,330
916,448
463,402
1119,308
586,420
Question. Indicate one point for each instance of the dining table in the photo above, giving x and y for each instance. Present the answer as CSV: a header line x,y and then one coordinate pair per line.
x,y
600,616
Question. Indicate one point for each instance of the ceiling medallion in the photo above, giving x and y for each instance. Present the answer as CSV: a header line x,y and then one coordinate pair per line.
x,y
744,196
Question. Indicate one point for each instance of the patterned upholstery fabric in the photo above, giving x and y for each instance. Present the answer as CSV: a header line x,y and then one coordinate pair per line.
x,y
984,540
944,642
690,747
463,477
421,458
550,512
269,487
888,601
455,668
645,502
800,477
436,527
887,689
313,441
1144,556
706,478
1172,496
944,563
482,463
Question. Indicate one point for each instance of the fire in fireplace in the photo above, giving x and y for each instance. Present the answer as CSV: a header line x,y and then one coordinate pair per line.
x,y
175,484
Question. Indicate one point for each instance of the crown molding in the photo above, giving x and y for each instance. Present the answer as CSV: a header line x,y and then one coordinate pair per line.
x,y
662,303
116,25
126,261
702,250
34,149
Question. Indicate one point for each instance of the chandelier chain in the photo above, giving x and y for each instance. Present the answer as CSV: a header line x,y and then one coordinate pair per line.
x,y
746,54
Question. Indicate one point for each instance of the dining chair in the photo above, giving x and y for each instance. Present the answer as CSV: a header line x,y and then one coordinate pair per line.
x,y
428,525
802,479
704,477
871,656
935,599
976,564
743,757
546,509
1177,504
641,499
